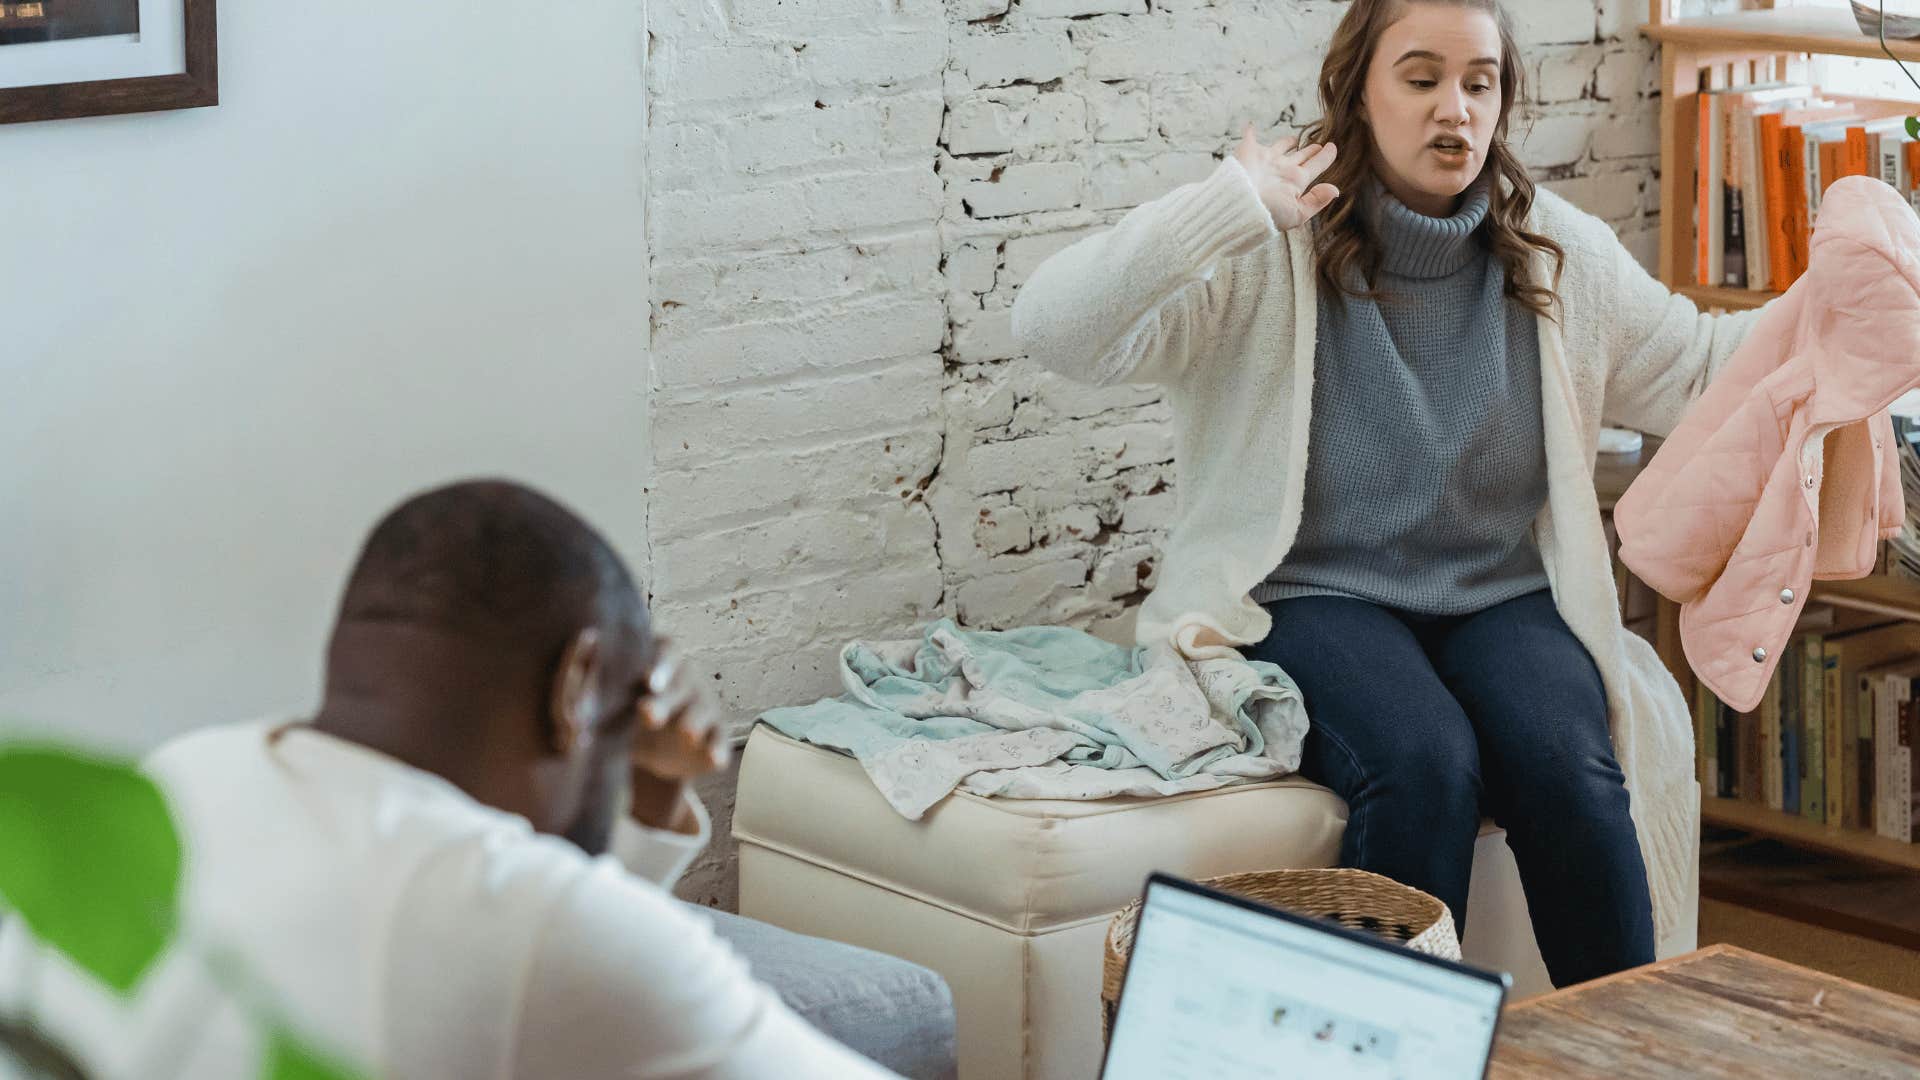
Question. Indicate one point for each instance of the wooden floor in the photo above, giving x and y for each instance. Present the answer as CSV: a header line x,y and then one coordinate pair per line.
x,y
1845,918
1848,956
1868,900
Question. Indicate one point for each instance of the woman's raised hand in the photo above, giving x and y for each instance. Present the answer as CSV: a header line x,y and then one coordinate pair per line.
x,y
1284,175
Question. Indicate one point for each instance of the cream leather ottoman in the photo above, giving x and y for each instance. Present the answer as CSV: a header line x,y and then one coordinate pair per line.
x,y
1009,899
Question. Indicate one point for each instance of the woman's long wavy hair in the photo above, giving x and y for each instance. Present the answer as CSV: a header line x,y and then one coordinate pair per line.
x,y
1342,240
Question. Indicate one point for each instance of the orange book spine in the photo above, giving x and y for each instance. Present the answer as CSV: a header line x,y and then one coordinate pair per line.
x,y
1832,156
1702,196
1771,154
1856,163
1793,182
1913,168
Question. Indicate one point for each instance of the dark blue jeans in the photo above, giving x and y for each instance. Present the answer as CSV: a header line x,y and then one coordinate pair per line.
x,y
1425,723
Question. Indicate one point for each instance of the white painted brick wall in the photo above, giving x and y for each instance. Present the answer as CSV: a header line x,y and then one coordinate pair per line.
x,y
846,196
1023,189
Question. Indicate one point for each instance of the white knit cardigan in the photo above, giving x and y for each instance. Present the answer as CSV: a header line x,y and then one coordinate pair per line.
x,y
1197,291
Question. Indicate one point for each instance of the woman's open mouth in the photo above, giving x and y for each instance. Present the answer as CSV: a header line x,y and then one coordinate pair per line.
x,y
1450,149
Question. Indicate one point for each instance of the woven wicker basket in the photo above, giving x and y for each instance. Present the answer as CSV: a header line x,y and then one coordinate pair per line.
x,y
1353,898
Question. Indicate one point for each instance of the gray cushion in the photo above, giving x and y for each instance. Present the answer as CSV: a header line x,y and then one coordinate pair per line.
x,y
897,1013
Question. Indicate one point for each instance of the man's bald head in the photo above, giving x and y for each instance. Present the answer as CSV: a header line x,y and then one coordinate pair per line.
x,y
490,636
493,562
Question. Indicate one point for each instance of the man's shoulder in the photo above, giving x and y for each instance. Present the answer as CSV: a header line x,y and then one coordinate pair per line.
x,y
216,745
223,776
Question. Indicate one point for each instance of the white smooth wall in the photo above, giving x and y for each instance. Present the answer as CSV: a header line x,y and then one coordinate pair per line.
x,y
407,247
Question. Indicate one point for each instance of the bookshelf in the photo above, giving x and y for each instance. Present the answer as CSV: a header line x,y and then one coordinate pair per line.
x,y
1799,832
1714,296
1731,49
1860,601
1825,31
1769,42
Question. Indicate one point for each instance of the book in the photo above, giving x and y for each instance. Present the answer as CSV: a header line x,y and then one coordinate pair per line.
x,y
1772,792
1899,797
1893,762
1833,160
1793,182
1879,133
1886,711
1735,214
1782,170
1705,729
1726,741
1834,718
1824,152
1793,172
1790,727
1898,153
1746,160
1710,198
1747,739
1733,260
1772,169
1863,816
1913,174
1766,154
1813,726
1848,653
1855,163
1891,162
1744,192
1909,800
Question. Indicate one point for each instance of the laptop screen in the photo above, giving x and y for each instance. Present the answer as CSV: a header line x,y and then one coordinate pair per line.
x,y
1216,990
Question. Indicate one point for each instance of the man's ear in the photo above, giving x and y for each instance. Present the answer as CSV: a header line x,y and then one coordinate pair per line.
x,y
576,688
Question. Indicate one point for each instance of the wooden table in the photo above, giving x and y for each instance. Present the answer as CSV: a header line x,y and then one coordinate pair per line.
x,y
1720,1012
1614,473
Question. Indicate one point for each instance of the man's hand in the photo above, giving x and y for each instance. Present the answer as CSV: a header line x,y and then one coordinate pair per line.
x,y
677,738
1284,175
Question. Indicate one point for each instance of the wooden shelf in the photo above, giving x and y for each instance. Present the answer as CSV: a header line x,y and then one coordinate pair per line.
x,y
1829,31
1795,830
1714,296
1882,593
1886,595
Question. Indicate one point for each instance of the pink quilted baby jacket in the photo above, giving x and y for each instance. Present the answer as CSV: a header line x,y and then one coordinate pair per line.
x,y
1785,469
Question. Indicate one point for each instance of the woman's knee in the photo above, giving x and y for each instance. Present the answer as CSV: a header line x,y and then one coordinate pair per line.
x,y
1445,767
1435,769
1582,789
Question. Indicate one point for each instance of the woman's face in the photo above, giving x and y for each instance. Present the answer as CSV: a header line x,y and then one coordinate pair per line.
x,y
1432,99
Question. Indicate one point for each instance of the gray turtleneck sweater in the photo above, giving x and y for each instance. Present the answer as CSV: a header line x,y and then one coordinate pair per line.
x,y
1426,461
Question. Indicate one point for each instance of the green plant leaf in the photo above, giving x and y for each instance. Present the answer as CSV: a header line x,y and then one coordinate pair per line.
x,y
1913,127
89,859
290,1059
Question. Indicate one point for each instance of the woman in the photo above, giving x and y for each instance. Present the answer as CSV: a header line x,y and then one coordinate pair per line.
x,y
1390,359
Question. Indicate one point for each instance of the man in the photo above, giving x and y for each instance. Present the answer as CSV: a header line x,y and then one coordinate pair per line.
x,y
412,881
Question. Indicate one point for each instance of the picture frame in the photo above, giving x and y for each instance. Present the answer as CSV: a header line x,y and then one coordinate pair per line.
x,y
61,59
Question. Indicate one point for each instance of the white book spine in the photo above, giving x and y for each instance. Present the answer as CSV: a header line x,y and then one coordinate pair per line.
x,y
1810,170
1883,712
1813,177
1901,802
1715,225
1753,200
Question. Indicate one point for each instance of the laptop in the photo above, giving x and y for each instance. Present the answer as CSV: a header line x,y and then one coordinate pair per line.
x,y
1219,987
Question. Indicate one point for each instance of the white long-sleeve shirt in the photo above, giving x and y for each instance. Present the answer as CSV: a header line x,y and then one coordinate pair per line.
x,y
398,924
